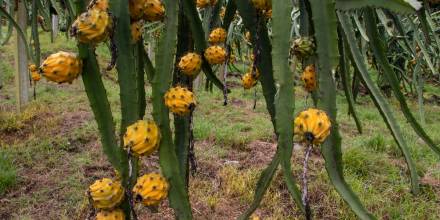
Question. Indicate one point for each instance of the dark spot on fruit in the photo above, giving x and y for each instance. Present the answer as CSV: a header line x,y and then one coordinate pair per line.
x,y
138,198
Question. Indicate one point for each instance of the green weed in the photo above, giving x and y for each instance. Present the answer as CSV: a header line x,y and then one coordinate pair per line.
x,y
8,172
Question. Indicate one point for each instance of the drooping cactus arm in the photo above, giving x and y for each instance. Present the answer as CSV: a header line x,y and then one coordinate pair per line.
x,y
192,15
324,20
100,105
125,63
168,160
284,98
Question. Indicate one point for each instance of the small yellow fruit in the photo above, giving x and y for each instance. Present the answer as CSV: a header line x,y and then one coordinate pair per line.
x,y
249,80
99,5
309,78
136,31
136,8
312,126
215,55
150,189
92,26
217,36
154,10
205,3
116,214
61,67
32,67
262,4
106,194
150,10
180,100
35,76
202,3
190,64
142,138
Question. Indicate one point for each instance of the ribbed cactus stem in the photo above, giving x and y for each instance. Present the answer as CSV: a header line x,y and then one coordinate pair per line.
x,y
324,18
168,160
284,99
100,105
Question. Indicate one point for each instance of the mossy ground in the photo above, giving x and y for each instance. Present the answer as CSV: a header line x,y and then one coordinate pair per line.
x,y
51,152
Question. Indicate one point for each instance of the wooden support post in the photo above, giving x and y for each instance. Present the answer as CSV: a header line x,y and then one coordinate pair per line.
x,y
21,63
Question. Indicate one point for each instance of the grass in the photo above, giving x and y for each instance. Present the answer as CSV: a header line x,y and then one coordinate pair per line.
x,y
8,174
50,153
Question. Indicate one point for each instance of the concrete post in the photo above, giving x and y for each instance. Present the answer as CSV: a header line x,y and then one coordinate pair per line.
x,y
55,26
21,63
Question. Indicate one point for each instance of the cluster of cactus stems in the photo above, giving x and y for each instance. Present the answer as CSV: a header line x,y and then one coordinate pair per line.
x,y
327,42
